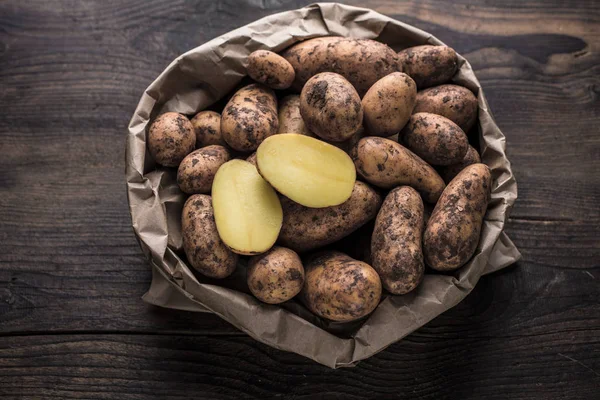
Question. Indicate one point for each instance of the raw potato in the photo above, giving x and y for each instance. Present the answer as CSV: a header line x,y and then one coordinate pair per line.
x,y
454,102
388,104
435,139
453,230
429,65
290,120
307,170
348,145
472,157
330,107
362,61
252,159
204,249
207,125
340,288
197,170
247,210
275,276
171,137
396,249
249,117
387,164
307,228
270,69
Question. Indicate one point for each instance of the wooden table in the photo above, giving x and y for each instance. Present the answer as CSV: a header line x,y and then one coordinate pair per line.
x,y
72,324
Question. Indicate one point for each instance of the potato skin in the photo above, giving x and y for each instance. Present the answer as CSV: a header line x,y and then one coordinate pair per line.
x,y
207,126
454,102
270,69
396,250
249,117
449,172
252,159
429,65
307,228
435,139
340,288
331,107
202,245
197,170
389,103
290,120
171,137
387,164
362,61
453,230
275,276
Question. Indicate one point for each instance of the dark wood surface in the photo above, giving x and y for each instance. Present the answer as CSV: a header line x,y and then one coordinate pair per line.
x,y
72,324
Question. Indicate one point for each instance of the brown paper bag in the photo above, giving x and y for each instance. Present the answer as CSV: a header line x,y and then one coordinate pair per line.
x,y
199,78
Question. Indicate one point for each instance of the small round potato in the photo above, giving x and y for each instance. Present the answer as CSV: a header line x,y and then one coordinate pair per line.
x,y
389,103
330,107
450,172
429,65
275,276
435,139
270,69
207,125
171,137
290,120
197,170
454,102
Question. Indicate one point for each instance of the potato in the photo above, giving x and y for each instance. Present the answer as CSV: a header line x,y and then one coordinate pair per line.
x,y
252,159
453,230
429,65
340,288
247,210
290,120
307,228
171,137
363,62
396,250
435,139
249,117
387,164
197,170
330,107
207,126
275,276
270,69
204,249
348,144
448,173
307,170
388,104
454,102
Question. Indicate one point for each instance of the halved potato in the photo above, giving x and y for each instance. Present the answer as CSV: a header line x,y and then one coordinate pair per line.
x,y
247,210
306,170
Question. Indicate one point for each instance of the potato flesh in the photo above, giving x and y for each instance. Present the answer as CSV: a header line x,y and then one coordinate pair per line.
x,y
306,170
247,210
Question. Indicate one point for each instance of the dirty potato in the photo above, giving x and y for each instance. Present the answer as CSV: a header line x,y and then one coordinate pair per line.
x,y
171,137
275,276
197,170
207,125
270,69
429,65
396,250
454,102
202,245
449,172
453,230
340,288
290,120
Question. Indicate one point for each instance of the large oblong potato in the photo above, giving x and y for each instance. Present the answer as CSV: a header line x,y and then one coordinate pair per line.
x,y
247,210
362,61
275,276
207,125
249,117
171,137
203,247
453,230
454,102
340,288
331,107
396,250
197,170
290,120
307,170
449,172
429,65
271,69
387,164
389,103
306,228
435,139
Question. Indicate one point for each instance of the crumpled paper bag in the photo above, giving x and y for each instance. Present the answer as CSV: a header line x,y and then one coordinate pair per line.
x,y
199,78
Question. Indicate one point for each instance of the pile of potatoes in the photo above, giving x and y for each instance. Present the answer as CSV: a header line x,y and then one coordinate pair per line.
x,y
357,133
